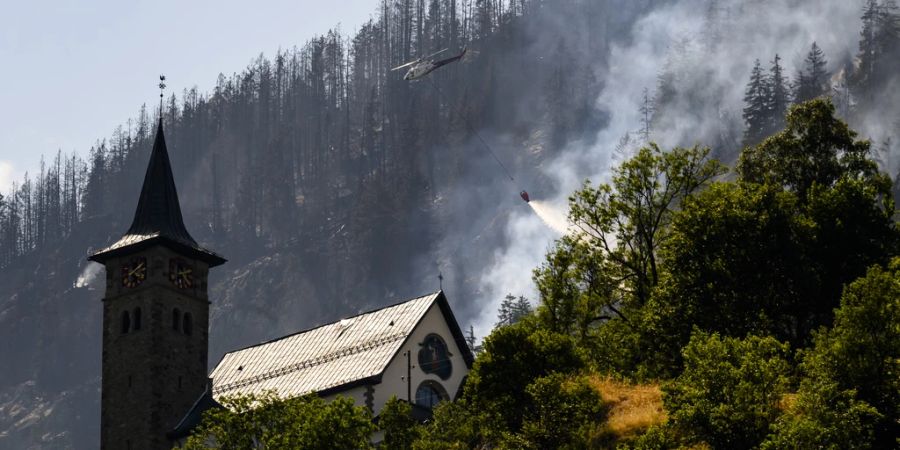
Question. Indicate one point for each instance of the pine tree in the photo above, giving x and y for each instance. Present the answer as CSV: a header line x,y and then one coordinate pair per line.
x,y
472,341
512,310
756,109
646,111
879,48
867,45
812,80
888,38
883,155
779,96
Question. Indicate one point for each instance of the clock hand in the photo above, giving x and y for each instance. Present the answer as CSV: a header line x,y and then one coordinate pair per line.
x,y
133,271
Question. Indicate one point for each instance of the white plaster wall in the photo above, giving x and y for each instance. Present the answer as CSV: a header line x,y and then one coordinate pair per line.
x,y
394,380
358,394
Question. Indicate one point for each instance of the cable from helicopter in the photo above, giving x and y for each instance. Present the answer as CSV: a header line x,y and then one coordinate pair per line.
x,y
423,66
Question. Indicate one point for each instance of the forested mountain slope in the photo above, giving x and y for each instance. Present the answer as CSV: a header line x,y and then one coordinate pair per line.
x,y
334,186
331,184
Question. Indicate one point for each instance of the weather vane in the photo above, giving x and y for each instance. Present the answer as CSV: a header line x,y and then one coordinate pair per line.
x,y
441,279
162,87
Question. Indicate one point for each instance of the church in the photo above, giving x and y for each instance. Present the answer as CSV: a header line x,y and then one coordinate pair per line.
x,y
155,352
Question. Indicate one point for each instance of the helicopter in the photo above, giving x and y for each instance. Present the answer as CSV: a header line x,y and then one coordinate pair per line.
x,y
425,65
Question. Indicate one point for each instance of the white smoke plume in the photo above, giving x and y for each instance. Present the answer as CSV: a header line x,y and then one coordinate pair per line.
x,y
88,275
709,48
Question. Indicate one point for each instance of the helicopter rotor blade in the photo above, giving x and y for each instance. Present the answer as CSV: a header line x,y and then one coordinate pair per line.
x,y
436,53
405,65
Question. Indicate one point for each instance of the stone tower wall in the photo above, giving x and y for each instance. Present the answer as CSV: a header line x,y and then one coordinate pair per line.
x,y
151,376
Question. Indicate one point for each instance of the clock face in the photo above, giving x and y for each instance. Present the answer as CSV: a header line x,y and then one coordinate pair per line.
x,y
180,274
134,272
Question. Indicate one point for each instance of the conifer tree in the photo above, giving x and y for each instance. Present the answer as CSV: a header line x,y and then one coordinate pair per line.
x,y
888,38
867,47
756,100
812,80
779,96
512,310
879,48
646,111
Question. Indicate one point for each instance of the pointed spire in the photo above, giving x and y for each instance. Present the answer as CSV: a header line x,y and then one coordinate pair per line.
x,y
157,218
158,210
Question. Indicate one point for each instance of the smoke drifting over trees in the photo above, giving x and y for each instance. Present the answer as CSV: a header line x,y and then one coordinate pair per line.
x,y
696,57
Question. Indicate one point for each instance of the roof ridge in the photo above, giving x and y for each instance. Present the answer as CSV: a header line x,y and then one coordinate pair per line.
x,y
306,330
311,362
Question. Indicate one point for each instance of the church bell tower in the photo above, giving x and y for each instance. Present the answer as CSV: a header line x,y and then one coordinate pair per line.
x,y
155,318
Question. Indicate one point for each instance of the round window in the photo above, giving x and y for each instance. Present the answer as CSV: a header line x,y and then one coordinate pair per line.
x,y
434,357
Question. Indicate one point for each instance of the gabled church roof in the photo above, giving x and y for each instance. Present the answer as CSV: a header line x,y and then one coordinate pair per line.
x,y
333,357
157,219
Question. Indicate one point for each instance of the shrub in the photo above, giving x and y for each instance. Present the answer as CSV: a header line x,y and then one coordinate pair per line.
x,y
561,413
728,393
850,394
400,429
515,356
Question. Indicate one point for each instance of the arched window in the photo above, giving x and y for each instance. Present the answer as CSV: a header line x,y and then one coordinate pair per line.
x,y
137,318
188,326
176,319
430,393
126,322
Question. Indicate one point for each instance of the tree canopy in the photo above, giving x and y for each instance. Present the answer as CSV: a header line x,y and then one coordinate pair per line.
x,y
269,422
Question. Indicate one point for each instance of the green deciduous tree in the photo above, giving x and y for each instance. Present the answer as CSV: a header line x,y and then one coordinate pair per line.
x,y
729,391
563,410
400,429
735,263
576,287
771,254
862,351
266,421
824,416
626,221
815,147
514,357
607,272
455,426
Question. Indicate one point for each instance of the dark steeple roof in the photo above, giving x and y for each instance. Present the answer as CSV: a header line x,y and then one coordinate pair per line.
x,y
157,219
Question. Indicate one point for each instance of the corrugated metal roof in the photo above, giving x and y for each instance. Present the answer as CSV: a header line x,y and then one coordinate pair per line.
x,y
321,358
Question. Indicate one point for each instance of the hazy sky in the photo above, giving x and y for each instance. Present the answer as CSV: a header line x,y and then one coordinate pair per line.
x,y
72,70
